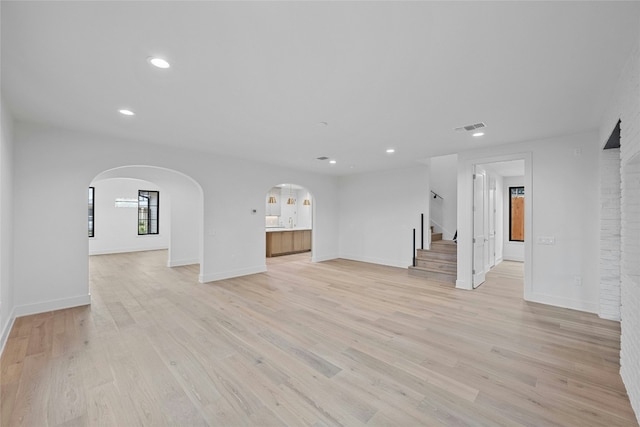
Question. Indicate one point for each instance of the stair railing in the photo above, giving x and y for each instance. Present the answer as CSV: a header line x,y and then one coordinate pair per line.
x,y
421,238
421,231
414,247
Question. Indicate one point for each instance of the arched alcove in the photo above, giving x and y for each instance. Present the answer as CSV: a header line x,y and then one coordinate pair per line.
x,y
289,217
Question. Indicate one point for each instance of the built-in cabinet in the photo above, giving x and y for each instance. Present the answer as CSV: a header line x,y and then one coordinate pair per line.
x,y
288,242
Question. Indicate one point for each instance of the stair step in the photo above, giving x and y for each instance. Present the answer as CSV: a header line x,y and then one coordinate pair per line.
x,y
437,257
438,265
436,237
433,275
446,246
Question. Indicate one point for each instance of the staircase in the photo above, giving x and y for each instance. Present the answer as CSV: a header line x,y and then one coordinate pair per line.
x,y
438,263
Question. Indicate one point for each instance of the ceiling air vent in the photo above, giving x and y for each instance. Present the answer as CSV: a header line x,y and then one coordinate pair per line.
x,y
323,158
469,128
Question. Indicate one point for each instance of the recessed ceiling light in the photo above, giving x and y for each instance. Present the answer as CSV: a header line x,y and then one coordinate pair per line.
x,y
478,134
391,150
126,112
333,162
159,62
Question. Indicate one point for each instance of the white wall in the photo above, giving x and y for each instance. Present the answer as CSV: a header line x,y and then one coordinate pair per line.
x,y
116,228
512,251
378,212
625,106
51,266
443,179
6,225
563,204
305,213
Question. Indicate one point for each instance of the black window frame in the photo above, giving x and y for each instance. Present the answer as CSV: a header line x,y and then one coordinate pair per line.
x,y
91,205
518,187
144,222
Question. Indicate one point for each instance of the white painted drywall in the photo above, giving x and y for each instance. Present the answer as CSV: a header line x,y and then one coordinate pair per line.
x,y
443,179
305,219
6,225
116,228
513,251
51,267
562,204
378,212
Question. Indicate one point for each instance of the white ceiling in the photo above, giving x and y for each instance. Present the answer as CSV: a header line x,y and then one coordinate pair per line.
x,y
255,79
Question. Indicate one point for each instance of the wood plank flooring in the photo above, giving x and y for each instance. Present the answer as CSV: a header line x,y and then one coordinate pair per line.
x,y
328,344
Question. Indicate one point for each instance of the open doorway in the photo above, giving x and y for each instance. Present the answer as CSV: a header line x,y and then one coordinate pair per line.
x,y
288,222
498,216
137,209
492,193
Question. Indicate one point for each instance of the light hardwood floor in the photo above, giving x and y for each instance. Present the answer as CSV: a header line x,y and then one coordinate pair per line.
x,y
334,343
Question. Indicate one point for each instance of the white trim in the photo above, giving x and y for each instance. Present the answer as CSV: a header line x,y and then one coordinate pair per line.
x,y
57,304
7,329
204,278
181,262
127,250
315,258
379,261
590,307
462,284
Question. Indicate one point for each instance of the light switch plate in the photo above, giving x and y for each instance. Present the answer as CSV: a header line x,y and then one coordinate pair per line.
x,y
546,240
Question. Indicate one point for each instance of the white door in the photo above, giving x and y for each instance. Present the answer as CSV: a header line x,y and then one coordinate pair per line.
x,y
479,235
492,223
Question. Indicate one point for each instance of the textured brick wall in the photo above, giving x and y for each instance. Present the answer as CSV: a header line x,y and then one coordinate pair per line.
x,y
610,224
626,107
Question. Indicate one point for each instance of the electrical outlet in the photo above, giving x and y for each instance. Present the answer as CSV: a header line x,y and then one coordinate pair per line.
x,y
577,280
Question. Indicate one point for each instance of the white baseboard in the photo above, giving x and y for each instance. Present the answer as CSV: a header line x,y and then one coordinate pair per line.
x,y
462,284
127,250
181,262
321,258
7,329
573,304
231,274
607,317
58,304
379,261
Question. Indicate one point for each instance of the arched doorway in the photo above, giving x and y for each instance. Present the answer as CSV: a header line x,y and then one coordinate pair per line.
x,y
171,218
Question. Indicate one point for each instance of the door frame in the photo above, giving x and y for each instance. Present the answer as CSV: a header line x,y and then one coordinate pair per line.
x,y
466,167
479,226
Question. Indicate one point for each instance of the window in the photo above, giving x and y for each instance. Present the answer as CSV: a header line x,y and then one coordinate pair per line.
x,y
123,202
92,191
148,207
516,214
